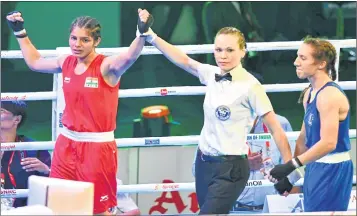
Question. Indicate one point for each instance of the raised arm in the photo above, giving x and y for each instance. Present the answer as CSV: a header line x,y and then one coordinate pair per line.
x,y
31,55
174,54
114,67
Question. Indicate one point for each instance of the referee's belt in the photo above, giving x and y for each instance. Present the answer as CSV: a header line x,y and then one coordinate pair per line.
x,y
243,207
221,158
335,158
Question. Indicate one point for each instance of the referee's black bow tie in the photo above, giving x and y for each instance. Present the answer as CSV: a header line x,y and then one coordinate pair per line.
x,y
226,76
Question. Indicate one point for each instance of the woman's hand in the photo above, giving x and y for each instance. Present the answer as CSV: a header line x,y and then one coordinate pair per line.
x,y
34,164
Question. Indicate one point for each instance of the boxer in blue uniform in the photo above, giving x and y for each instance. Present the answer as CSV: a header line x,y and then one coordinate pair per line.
x,y
323,144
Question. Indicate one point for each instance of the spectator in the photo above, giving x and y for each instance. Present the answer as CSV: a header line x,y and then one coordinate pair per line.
x,y
17,166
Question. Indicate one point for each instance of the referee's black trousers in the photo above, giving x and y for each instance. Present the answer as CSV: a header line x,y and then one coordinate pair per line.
x,y
219,181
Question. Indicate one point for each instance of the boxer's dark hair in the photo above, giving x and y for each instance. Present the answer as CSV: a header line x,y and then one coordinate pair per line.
x,y
89,23
17,108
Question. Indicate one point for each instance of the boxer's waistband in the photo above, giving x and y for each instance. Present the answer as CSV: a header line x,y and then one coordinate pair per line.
x,y
335,158
88,136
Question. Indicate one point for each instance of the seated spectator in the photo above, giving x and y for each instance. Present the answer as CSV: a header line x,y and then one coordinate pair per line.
x,y
17,166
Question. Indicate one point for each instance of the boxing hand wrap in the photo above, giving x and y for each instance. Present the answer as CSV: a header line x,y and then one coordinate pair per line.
x,y
295,176
283,185
150,36
143,27
286,184
283,170
296,162
17,26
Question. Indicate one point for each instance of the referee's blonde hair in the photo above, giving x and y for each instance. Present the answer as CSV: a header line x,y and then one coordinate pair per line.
x,y
234,31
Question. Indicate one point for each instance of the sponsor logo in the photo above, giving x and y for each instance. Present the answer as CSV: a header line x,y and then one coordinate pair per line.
x,y
5,147
253,183
91,82
164,92
152,141
13,98
67,79
60,120
166,187
103,198
8,192
173,198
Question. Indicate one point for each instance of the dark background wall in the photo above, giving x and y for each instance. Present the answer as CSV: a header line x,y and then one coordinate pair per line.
x,y
48,23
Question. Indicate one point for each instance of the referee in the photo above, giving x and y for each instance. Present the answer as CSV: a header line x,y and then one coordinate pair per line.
x,y
233,97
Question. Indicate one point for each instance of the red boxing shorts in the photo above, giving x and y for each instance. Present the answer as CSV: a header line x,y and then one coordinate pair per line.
x,y
88,157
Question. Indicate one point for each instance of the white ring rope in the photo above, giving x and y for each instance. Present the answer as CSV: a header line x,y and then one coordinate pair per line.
x,y
189,49
150,188
148,141
166,91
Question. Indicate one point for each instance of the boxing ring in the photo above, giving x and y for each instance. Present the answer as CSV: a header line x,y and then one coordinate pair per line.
x,y
58,106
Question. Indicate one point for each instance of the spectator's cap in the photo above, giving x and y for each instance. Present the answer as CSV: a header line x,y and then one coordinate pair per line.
x,y
16,108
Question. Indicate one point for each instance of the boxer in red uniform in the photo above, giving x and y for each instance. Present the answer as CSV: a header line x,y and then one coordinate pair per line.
x,y
86,150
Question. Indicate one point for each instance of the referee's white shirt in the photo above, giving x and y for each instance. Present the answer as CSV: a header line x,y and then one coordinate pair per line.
x,y
229,108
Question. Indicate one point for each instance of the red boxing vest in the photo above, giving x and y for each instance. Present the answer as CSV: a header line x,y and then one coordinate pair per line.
x,y
91,104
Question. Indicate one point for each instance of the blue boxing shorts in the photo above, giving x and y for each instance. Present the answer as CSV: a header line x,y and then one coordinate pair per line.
x,y
328,185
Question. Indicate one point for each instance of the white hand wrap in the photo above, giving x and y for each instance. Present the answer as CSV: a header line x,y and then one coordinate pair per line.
x,y
294,176
22,32
150,36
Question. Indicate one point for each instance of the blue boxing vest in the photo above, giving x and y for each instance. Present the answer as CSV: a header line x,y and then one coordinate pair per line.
x,y
327,186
